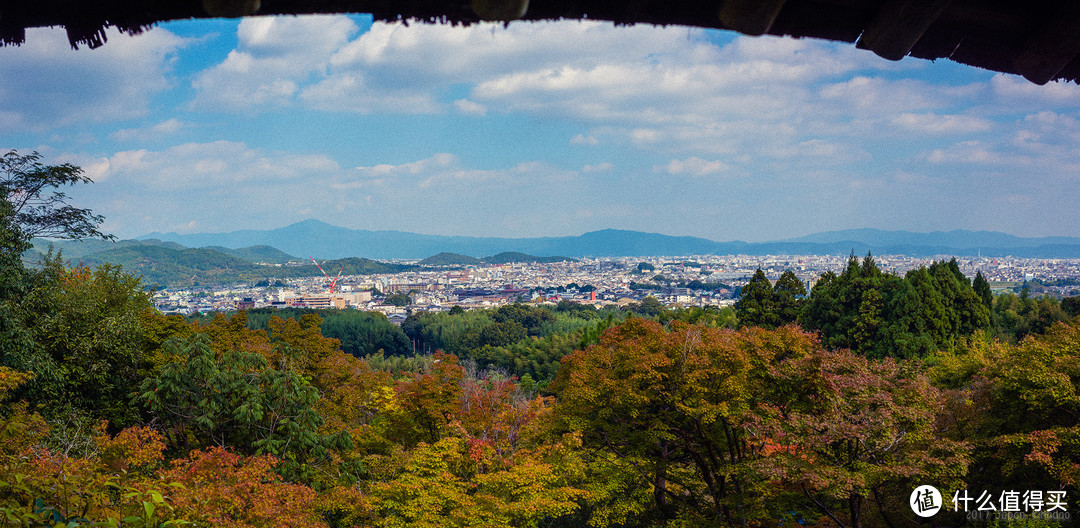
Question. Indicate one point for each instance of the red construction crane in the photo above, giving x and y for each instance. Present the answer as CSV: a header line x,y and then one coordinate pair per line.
x,y
333,282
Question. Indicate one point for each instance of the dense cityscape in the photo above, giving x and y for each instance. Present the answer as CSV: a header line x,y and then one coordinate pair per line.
x,y
675,281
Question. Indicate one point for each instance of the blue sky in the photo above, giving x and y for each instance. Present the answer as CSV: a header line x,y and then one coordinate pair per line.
x,y
536,129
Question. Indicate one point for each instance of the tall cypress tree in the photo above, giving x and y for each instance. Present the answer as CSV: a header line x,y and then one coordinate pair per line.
x,y
982,289
789,291
757,304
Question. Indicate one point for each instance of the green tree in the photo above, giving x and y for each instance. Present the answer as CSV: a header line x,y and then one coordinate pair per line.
x,y
16,343
710,316
879,314
427,402
1018,316
530,318
13,275
365,333
235,399
1071,306
854,435
89,346
35,208
398,299
907,335
982,289
648,307
672,403
788,294
31,206
1019,406
502,333
757,305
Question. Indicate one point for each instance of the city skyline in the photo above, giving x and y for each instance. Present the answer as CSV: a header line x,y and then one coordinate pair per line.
x,y
536,129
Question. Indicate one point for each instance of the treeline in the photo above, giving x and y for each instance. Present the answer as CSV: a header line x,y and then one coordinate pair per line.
x,y
879,314
359,333
520,340
695,284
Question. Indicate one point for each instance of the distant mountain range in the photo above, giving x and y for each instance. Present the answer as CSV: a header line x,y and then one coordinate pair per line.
x,y
315,238
170,264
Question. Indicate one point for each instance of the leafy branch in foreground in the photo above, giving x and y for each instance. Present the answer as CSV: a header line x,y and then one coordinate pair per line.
x,y
33,205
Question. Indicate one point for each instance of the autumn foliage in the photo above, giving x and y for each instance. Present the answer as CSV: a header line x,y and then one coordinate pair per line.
x,y
671,420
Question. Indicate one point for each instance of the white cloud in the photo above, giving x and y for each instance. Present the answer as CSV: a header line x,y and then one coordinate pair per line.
x,y
672,90
528,173
1041,145
1015,90
438,162
692,167
599,167
644,135
220,164
1048,127
403,55
349,93
273,58
966,152
160,130
878,95
582,139
638,74
931,123
45,84
391,61
468,107
210,186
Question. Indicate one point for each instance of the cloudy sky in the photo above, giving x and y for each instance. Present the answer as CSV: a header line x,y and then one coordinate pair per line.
x,y
536,129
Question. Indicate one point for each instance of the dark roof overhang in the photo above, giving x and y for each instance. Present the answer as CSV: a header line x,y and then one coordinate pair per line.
x,y
1038,39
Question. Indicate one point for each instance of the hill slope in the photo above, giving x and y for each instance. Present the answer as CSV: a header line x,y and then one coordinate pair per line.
x,y
166,266
450,259
258,254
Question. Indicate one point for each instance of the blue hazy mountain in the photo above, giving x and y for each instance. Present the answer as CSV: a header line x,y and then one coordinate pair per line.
x,y
957,239
322,240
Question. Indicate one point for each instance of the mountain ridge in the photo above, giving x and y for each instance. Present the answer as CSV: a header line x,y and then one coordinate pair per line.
x,y
951,238
316,238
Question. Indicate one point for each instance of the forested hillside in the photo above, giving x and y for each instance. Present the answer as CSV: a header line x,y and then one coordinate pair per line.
x,y
160,264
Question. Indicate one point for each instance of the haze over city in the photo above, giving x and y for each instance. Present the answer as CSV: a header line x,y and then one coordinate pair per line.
x,y
536,129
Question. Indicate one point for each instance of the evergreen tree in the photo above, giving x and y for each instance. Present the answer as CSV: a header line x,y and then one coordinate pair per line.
x,y
788,293
906,334
1071,306
982,289
757,305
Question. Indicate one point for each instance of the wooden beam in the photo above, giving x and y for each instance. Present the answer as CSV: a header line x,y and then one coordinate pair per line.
x,y
753,17
1052,47
499,10
898,25
231,8
89,34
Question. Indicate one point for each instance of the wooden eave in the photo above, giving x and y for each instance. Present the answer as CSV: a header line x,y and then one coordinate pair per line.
x,y
1038,39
